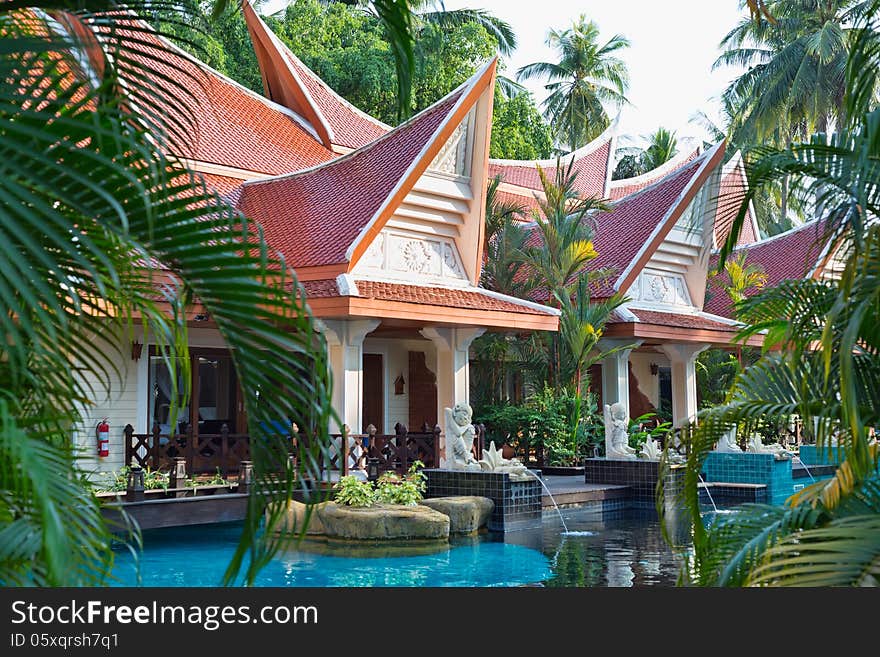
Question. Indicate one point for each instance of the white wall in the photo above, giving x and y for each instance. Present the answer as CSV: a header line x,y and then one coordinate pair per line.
x,y
125,400
114,397
395,359
649,384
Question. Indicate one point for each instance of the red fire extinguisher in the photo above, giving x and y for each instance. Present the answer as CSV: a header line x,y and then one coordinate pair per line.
x,y
102,431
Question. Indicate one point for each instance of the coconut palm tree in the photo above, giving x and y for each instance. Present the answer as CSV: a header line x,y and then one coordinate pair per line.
x,y
92,200
588,75
634,161
662,147
794,84
827,369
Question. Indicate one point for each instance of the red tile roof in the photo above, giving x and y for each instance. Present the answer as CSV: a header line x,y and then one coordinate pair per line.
x,y
681,320
348,126
527,201
227,187
472,298
323,288
621,232
590,164
314,216
619,189
231,125
790,255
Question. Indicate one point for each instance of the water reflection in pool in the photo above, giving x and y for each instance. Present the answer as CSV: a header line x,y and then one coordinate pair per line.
x,y
624,550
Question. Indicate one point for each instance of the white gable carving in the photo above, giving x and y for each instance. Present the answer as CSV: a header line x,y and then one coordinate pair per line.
x,y
658,288
412,258
454,157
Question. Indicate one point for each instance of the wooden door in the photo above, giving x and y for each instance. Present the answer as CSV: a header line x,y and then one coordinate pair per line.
x,y
373,409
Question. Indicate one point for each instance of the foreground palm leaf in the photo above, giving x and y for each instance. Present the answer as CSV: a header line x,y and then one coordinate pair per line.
x,y
101,229
827,373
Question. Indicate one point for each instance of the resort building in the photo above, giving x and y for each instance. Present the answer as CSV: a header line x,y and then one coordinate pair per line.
x,y
385,230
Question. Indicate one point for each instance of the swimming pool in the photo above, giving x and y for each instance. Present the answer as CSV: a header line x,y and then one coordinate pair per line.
x,y
619,550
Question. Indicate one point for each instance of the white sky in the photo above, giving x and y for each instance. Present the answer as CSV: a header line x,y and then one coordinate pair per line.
x,y
673,46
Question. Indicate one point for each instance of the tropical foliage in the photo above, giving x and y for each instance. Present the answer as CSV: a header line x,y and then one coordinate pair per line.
x,y
518,130
560,425
634,161
588,76
92,203
827,370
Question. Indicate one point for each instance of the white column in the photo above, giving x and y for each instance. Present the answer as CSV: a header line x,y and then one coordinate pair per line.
x,y
615,371
345,347
683,358
453,368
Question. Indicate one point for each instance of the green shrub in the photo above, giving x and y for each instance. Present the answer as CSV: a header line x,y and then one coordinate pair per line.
x,y
391,488
153,480
561,423
352,491
647,426
217,480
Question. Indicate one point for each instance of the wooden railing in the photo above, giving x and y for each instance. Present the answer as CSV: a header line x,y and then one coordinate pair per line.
x,y
375,452
204,453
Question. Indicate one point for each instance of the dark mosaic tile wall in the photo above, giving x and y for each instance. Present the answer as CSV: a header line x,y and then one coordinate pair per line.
x,y
517,503
641,477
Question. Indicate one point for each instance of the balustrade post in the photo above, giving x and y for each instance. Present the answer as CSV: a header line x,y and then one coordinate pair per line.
x,y
245,476
404,453
134,490
436,446
342,452
224,448
128,432
177,477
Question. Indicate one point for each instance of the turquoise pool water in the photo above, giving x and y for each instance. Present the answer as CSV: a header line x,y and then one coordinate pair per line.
x,y
622,550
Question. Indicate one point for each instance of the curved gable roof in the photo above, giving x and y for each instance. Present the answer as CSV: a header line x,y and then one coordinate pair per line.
x,y
591,164
634,226
228,124
793,254
291,83
323,215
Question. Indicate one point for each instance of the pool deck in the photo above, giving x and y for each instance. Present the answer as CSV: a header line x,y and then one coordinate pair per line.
x,y
572,491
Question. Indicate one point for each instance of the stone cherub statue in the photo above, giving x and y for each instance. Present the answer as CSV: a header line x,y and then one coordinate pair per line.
x,y
727,443
617,432
460,438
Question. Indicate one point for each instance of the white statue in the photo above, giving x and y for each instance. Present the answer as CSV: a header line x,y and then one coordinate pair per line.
x,y
757,446
651,450
492,461
460,438
617,432
727,443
